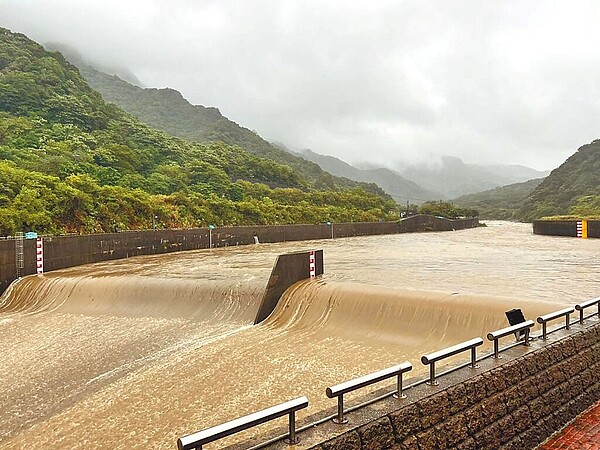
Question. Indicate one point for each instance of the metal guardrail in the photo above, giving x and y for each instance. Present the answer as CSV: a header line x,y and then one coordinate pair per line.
x,y
495,335
581,306
555,315
196,440
432,358
348,386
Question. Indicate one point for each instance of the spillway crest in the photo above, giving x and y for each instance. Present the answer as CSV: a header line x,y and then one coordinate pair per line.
x,y
131,296
393,315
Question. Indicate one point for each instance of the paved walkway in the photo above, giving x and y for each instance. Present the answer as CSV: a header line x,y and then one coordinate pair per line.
x,y
582,434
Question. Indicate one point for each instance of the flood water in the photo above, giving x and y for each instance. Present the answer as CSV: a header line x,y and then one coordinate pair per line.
x,y
135,353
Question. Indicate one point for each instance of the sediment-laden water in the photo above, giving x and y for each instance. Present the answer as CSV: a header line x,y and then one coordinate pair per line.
x,y
135,353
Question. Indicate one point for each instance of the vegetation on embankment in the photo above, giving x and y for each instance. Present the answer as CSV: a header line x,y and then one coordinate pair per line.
x,y
73,163
446,209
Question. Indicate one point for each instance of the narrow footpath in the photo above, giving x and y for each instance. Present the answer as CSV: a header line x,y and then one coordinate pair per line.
x,y
582,434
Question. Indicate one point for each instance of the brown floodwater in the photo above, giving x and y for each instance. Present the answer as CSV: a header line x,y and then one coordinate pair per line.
x,y
137,352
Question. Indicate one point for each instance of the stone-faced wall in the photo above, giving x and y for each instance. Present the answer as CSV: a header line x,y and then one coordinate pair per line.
x,y
516,405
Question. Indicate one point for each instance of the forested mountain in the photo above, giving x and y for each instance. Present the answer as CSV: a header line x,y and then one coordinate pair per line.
x,y
572,188
73,162
167,110
499,203
452,177
401,189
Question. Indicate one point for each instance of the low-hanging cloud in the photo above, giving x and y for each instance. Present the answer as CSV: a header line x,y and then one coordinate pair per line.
x,y
514,82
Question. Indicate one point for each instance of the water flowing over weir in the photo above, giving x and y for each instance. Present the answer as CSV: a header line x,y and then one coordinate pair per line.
x,y
122,296
136,353
387,317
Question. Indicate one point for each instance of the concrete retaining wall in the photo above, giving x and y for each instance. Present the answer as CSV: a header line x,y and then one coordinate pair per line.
x,y
565,228
68,251
514,405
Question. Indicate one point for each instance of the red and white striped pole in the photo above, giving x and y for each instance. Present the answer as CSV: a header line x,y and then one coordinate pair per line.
x,y
40,256
311,264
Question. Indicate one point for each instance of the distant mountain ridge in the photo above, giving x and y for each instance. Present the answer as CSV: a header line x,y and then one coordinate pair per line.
x,y
453,178
167,110
401,189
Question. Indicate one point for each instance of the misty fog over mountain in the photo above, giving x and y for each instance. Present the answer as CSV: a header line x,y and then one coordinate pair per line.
x,y
388,83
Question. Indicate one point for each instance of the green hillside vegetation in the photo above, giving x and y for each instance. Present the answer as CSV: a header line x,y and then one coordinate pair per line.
x,y
500,203
446,209
167,110
72,162
586,207
572,188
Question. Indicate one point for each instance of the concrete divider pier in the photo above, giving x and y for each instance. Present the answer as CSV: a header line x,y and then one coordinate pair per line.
x,y
289,269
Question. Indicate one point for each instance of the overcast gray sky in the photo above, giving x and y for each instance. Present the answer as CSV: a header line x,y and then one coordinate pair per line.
x,y
515,82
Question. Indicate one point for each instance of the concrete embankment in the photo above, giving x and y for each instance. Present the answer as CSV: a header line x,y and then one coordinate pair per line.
x,y
67,251
572,228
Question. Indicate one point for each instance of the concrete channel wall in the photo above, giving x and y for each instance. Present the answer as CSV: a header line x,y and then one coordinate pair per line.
x,y
565,228
68,251
513,403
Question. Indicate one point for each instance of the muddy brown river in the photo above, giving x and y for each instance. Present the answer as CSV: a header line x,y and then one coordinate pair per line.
x,y
135,353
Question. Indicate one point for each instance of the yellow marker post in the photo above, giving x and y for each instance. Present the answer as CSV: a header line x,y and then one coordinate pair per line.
x,y
584,229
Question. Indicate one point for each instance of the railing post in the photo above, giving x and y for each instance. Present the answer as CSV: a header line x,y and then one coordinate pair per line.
x,y
474,364
568,321
432,381
497,350
581,314
544,334
292,439
340,411
399,393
